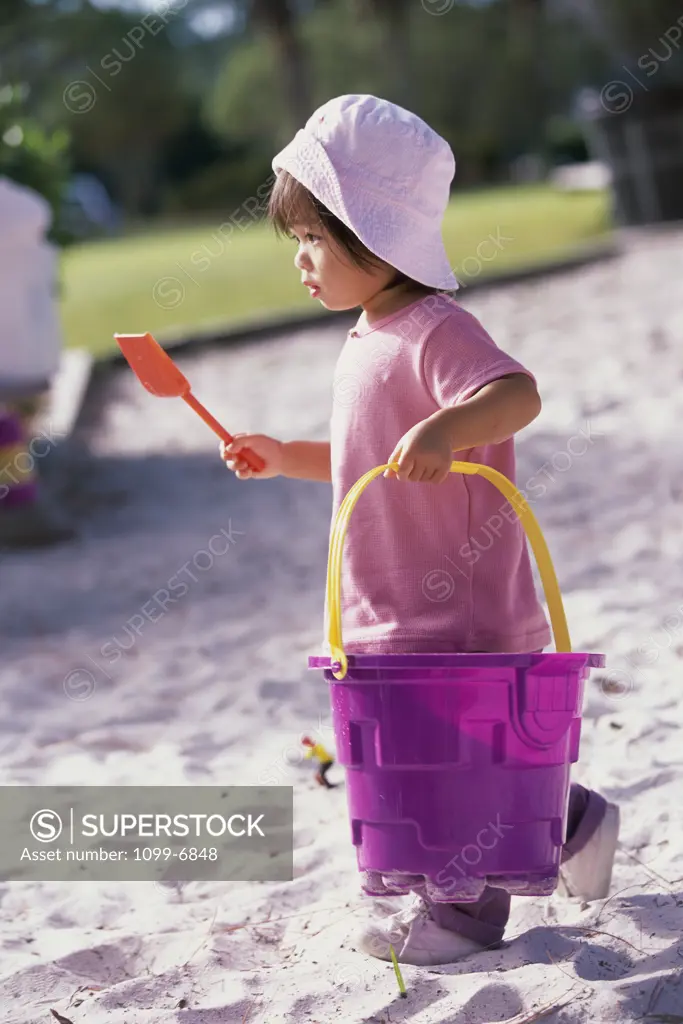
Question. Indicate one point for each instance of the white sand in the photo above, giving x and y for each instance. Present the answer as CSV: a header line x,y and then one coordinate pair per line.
x,y
218,690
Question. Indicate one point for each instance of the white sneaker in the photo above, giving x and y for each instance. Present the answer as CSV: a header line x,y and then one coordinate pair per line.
x,y
416,938
589,872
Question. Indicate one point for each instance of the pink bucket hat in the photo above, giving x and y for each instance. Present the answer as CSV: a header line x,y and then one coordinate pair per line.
x,y
385,174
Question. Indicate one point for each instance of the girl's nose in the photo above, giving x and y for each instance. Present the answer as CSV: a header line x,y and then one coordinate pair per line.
x,y
301,260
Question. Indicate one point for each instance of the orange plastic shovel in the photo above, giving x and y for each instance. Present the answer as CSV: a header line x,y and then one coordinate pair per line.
x,y
157,372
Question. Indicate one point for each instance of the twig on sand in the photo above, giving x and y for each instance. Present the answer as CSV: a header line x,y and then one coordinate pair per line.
x,y
654,995
587,990
542,1011
655,874
284,917
82,988
600,931
614,896
204,940
654,999
247,1012
556,963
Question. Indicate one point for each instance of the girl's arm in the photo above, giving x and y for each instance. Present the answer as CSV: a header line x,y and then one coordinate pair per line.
x,y
495,413
301,460
307,460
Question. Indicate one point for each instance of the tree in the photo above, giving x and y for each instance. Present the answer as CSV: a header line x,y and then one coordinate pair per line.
x,y
395,17
526,23
278,19
627,28
278,22
118,90
247,102
27,37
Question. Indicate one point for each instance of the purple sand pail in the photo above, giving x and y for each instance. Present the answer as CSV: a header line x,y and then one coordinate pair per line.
x,y
457,765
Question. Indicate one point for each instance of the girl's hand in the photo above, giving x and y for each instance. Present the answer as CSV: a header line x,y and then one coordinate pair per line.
x,y
424,454
268,448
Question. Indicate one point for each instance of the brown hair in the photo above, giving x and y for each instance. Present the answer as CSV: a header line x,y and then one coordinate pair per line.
x,y
290,201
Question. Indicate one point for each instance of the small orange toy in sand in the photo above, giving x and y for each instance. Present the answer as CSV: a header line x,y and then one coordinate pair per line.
x,y
157,372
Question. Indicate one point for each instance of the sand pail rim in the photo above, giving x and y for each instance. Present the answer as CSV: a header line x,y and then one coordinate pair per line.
x,y
454,660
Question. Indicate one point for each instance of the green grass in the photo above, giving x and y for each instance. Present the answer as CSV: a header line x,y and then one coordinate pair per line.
x,y
166,281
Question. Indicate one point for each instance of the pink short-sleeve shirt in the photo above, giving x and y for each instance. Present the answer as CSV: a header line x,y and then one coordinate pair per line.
x,y
426,567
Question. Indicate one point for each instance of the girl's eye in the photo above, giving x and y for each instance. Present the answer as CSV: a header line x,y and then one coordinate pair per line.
x,y
308,237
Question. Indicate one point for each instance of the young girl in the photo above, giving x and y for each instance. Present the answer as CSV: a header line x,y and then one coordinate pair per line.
x,y
440,565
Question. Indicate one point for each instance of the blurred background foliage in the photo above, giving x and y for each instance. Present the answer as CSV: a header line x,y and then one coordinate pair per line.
x,y
155,122
178,107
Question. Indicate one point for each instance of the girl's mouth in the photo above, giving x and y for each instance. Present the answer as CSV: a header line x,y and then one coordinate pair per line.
x,y
313,289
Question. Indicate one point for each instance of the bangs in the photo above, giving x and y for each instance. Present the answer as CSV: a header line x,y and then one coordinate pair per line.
x,y
291,203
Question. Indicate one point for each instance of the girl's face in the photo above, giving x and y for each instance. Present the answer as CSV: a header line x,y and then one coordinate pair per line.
x,y
330,275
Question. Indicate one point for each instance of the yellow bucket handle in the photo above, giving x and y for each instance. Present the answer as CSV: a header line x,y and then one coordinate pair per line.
x,y
526,517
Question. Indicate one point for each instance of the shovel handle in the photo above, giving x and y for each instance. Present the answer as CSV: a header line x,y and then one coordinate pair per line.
x,y
253,460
